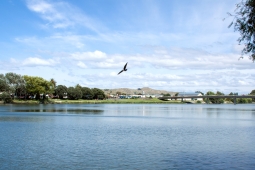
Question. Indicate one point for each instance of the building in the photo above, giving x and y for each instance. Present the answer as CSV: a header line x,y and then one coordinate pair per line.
x,y
187,94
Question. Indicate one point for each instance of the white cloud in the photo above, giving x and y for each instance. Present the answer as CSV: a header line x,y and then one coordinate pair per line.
x,y
35,61
180,53
62,14
96,55
81,64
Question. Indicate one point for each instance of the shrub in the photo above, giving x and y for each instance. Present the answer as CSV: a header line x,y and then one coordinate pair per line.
x,y
6,97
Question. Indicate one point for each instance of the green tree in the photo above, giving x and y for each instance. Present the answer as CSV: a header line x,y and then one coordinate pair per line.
x,y
37,86
98,93
6,97
61,91
3,84
15,82
168,94
244,22
253,93
87,93
210,93
230,99
215,100
244,100
53,82
74,93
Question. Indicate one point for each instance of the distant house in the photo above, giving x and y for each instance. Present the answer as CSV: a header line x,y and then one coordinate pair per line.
x,y
187,94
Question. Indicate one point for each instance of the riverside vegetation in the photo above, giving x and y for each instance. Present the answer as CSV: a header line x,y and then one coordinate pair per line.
x,y
15,88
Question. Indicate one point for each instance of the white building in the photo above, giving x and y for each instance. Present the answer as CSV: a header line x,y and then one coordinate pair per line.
x,y
187,94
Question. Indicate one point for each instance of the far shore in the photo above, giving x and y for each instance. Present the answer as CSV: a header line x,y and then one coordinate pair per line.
x,y
107,101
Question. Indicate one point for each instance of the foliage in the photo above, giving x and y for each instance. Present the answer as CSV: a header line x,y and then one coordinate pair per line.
x,y
74,93
98,93
244,100
61,91
16,83
167,94
118,93
253,93
6,97
244,22
87,93
215,100
53,82
37,85
3,84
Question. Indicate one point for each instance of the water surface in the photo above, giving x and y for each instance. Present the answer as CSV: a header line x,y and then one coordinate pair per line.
x,y
127,136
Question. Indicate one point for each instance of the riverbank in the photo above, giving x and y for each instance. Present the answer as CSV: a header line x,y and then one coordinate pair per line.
x,y
107,101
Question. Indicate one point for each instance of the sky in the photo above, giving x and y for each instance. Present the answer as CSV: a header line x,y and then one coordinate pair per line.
x,y
173,45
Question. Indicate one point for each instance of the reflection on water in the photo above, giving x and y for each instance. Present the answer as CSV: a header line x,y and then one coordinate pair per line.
x,y
127,136
69,109
60,110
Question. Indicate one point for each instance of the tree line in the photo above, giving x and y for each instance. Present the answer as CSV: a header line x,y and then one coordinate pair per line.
x,y
33,87
221,100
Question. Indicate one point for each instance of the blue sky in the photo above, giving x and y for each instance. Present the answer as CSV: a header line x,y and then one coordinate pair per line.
x,y
173,45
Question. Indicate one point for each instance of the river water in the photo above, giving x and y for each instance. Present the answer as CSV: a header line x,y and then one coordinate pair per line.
x,y
127,136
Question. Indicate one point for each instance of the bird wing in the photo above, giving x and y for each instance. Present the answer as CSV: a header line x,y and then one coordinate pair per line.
x,y
120,72
125,66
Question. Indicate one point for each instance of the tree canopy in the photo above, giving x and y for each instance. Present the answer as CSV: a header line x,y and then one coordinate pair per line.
x,y
244,22
215,100
37,85
61,91
74,93
3,83
12,83
87,93
98,93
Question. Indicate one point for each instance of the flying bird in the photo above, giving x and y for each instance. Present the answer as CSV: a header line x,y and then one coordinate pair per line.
x,y
124,69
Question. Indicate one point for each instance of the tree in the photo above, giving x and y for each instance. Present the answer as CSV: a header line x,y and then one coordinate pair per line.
x,y
244,22
118,93
98,94
74,93
87,93
61,91
53,82
168,94
37,86
253,93
215,100
3,84
6,97
15,82
242,100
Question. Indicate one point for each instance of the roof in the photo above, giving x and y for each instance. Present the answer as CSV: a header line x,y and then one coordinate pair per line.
x,y
183,94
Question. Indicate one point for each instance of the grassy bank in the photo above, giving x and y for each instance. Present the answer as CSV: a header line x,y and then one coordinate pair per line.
x,y
108,101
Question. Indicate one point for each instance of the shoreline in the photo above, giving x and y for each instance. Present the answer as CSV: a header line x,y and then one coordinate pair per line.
x,y
109,101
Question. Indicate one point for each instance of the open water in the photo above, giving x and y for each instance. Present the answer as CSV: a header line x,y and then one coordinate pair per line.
x,y
127,136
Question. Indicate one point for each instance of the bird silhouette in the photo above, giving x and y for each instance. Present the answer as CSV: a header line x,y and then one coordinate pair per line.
x,y
124,69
